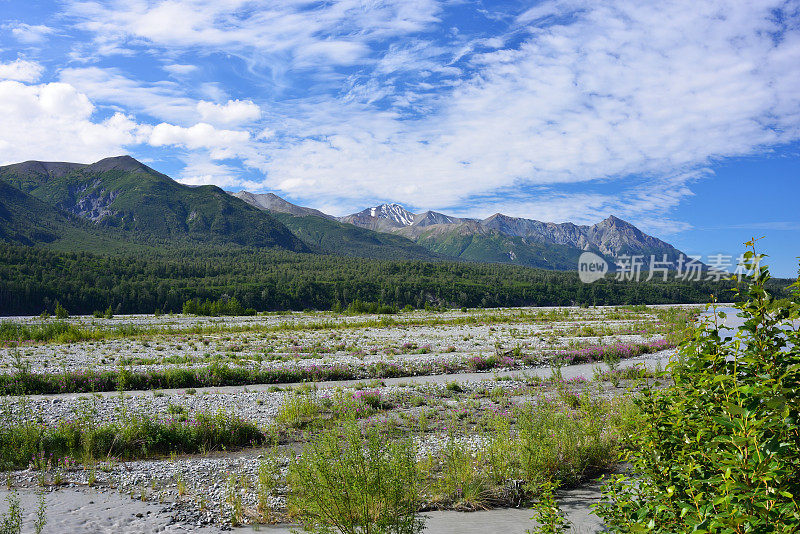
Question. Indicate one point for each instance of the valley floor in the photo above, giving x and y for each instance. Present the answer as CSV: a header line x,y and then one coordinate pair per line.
x,y
453,379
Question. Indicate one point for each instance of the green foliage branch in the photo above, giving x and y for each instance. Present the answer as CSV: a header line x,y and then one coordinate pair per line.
x,y
720,450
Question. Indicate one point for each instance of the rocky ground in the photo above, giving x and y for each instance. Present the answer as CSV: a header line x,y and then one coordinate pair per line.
x,y
194,492
287,341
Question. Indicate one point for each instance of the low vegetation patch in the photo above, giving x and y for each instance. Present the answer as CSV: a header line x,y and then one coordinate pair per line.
x,y
367,476
354,480
221,306
214,375
135,436
611,351
525,447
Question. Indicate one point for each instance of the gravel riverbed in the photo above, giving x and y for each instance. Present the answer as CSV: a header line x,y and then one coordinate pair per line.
x,y
193,492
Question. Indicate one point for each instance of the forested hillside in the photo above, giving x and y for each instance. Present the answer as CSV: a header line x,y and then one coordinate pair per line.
x,y
122,199
32,279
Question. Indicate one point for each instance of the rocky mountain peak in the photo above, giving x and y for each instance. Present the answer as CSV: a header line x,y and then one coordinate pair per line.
x,y
612,220
430,218
274,203
119,163
393,212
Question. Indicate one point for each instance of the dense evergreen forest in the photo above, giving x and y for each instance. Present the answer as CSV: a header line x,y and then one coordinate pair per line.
x,y
32,279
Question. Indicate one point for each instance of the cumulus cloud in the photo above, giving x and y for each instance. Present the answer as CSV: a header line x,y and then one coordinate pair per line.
x,y
222,144
54,122
21,70
232,113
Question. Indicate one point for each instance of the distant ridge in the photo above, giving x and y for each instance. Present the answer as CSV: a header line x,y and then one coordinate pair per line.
x,y
611,237
498,238
272,202
53,169
324,233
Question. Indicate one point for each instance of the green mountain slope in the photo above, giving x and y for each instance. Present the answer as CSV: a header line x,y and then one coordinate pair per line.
x,y
332,237
498,248
27,220
125,195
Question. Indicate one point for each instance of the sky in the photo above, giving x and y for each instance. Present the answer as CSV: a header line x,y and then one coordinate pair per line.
x,y
681,117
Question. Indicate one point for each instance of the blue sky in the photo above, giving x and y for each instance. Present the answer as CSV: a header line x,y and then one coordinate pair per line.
x,y
682,117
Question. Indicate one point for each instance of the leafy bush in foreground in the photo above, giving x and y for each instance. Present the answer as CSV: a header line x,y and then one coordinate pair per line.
x,y
354,482
719,451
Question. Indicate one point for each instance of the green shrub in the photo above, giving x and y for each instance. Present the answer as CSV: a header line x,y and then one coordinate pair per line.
x,y
298,410
221,306
359,307
60,311
719,450
11,521
454,386
462,482
352,482
547,513
371,398
269,478
60,331
554,443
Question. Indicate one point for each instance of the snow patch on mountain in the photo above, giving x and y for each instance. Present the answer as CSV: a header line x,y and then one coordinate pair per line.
x,y
393,212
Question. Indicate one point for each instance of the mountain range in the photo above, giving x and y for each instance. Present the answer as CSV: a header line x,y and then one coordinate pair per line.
x,y
499,238
119,202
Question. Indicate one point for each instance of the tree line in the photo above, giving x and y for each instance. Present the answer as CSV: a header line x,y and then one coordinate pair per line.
x,y
34,279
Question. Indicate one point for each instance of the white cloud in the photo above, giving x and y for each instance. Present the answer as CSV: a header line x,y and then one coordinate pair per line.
x,y
621,90
338,52
21,70
202,171
178,69
164,100
29,34
313,34
213,90
222,144
53,122
232,113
